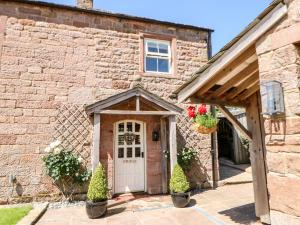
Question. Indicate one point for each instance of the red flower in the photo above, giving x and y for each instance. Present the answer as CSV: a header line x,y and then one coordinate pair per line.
x,y
202,109
192,111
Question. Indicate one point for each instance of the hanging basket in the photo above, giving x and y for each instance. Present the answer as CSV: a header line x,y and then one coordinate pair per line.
x,y
204,130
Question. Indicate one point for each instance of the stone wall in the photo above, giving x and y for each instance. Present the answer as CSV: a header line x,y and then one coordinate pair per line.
x,y
279,59
53,57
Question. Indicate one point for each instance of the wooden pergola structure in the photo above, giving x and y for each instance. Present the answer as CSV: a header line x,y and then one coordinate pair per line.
x,y
231,78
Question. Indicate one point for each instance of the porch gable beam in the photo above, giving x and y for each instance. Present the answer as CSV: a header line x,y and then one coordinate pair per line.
x,y
199,100
235,122
132,112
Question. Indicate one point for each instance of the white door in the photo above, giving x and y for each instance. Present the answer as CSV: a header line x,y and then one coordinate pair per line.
x,y
129,156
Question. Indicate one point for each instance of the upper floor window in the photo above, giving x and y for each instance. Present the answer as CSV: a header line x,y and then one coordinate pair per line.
x,y
157,56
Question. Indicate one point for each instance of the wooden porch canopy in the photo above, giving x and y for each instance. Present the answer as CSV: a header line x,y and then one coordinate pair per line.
x,y
138,101
231,78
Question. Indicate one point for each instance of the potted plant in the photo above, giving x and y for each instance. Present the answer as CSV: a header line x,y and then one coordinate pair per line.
x,y
179,187
96,204
204,122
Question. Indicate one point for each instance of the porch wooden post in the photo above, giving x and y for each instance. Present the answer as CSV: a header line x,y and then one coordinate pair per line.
x,y
172,142
96,142
257,157
163,142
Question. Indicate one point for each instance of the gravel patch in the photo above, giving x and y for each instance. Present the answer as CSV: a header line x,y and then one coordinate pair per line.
x,y
65,204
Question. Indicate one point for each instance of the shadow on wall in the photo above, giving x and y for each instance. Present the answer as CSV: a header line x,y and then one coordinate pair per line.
x,y
186,137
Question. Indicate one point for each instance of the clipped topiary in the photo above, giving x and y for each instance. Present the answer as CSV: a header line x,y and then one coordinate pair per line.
x,y
178,182
98,186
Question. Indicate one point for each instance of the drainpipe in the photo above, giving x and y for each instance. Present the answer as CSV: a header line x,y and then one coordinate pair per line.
x,y
213,136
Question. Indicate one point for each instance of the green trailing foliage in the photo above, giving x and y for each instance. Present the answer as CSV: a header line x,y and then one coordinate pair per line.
x,y
186,157
206,120
179,182
98,186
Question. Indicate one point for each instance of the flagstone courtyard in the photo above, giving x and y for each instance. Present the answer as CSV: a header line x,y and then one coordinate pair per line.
x,y
230,204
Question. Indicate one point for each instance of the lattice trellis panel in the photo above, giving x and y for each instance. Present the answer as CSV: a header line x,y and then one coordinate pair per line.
x,y
186,136
73,129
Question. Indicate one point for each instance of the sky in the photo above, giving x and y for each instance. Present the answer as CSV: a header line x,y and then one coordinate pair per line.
x,y
226,17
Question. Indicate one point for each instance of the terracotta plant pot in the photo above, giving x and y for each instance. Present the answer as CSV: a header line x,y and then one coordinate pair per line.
x,y
95,209
181,200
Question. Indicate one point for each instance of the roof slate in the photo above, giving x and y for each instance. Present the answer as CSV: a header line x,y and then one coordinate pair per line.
x,y
107,13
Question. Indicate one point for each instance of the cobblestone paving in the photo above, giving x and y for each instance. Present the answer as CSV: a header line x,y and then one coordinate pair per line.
x,y
232,204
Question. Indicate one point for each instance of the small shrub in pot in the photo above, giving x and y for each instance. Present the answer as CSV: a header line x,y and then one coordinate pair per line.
x,y
179,187
96,204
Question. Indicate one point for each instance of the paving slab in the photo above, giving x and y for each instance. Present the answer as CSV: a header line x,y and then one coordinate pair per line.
x,y
227,205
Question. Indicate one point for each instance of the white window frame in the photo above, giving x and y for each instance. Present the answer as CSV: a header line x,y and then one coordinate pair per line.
x,y
167,56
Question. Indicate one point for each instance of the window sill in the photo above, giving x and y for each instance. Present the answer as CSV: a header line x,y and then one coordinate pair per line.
x,y
159,75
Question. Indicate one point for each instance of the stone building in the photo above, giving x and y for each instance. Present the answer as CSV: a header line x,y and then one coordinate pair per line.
x,y
86,77
260,71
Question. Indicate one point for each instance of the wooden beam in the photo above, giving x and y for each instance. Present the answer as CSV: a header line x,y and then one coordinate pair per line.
x,y
235,122
172,142
232,69
204,100
130,112
163,149
249,91
248,39
137,103
252,68
244,85
95,154
257,157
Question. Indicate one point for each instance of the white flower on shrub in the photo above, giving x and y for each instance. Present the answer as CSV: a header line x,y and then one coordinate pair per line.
x,y
48,149
80,160
57,150
55,144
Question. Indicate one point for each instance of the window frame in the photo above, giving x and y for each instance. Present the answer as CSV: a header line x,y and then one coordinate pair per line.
x,y
157,55
172,40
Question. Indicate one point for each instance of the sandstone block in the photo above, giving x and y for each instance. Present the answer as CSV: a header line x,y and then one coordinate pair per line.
x,y
292,163
279,199
7,139
276,162
35,69
279,218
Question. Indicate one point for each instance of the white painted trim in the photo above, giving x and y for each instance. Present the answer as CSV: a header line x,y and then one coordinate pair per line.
x,y
114,151
95,156
234,51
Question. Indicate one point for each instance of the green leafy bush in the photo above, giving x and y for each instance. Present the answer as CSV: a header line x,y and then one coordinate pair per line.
x,y
98,186
178,182
186,157
65,168
63,164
